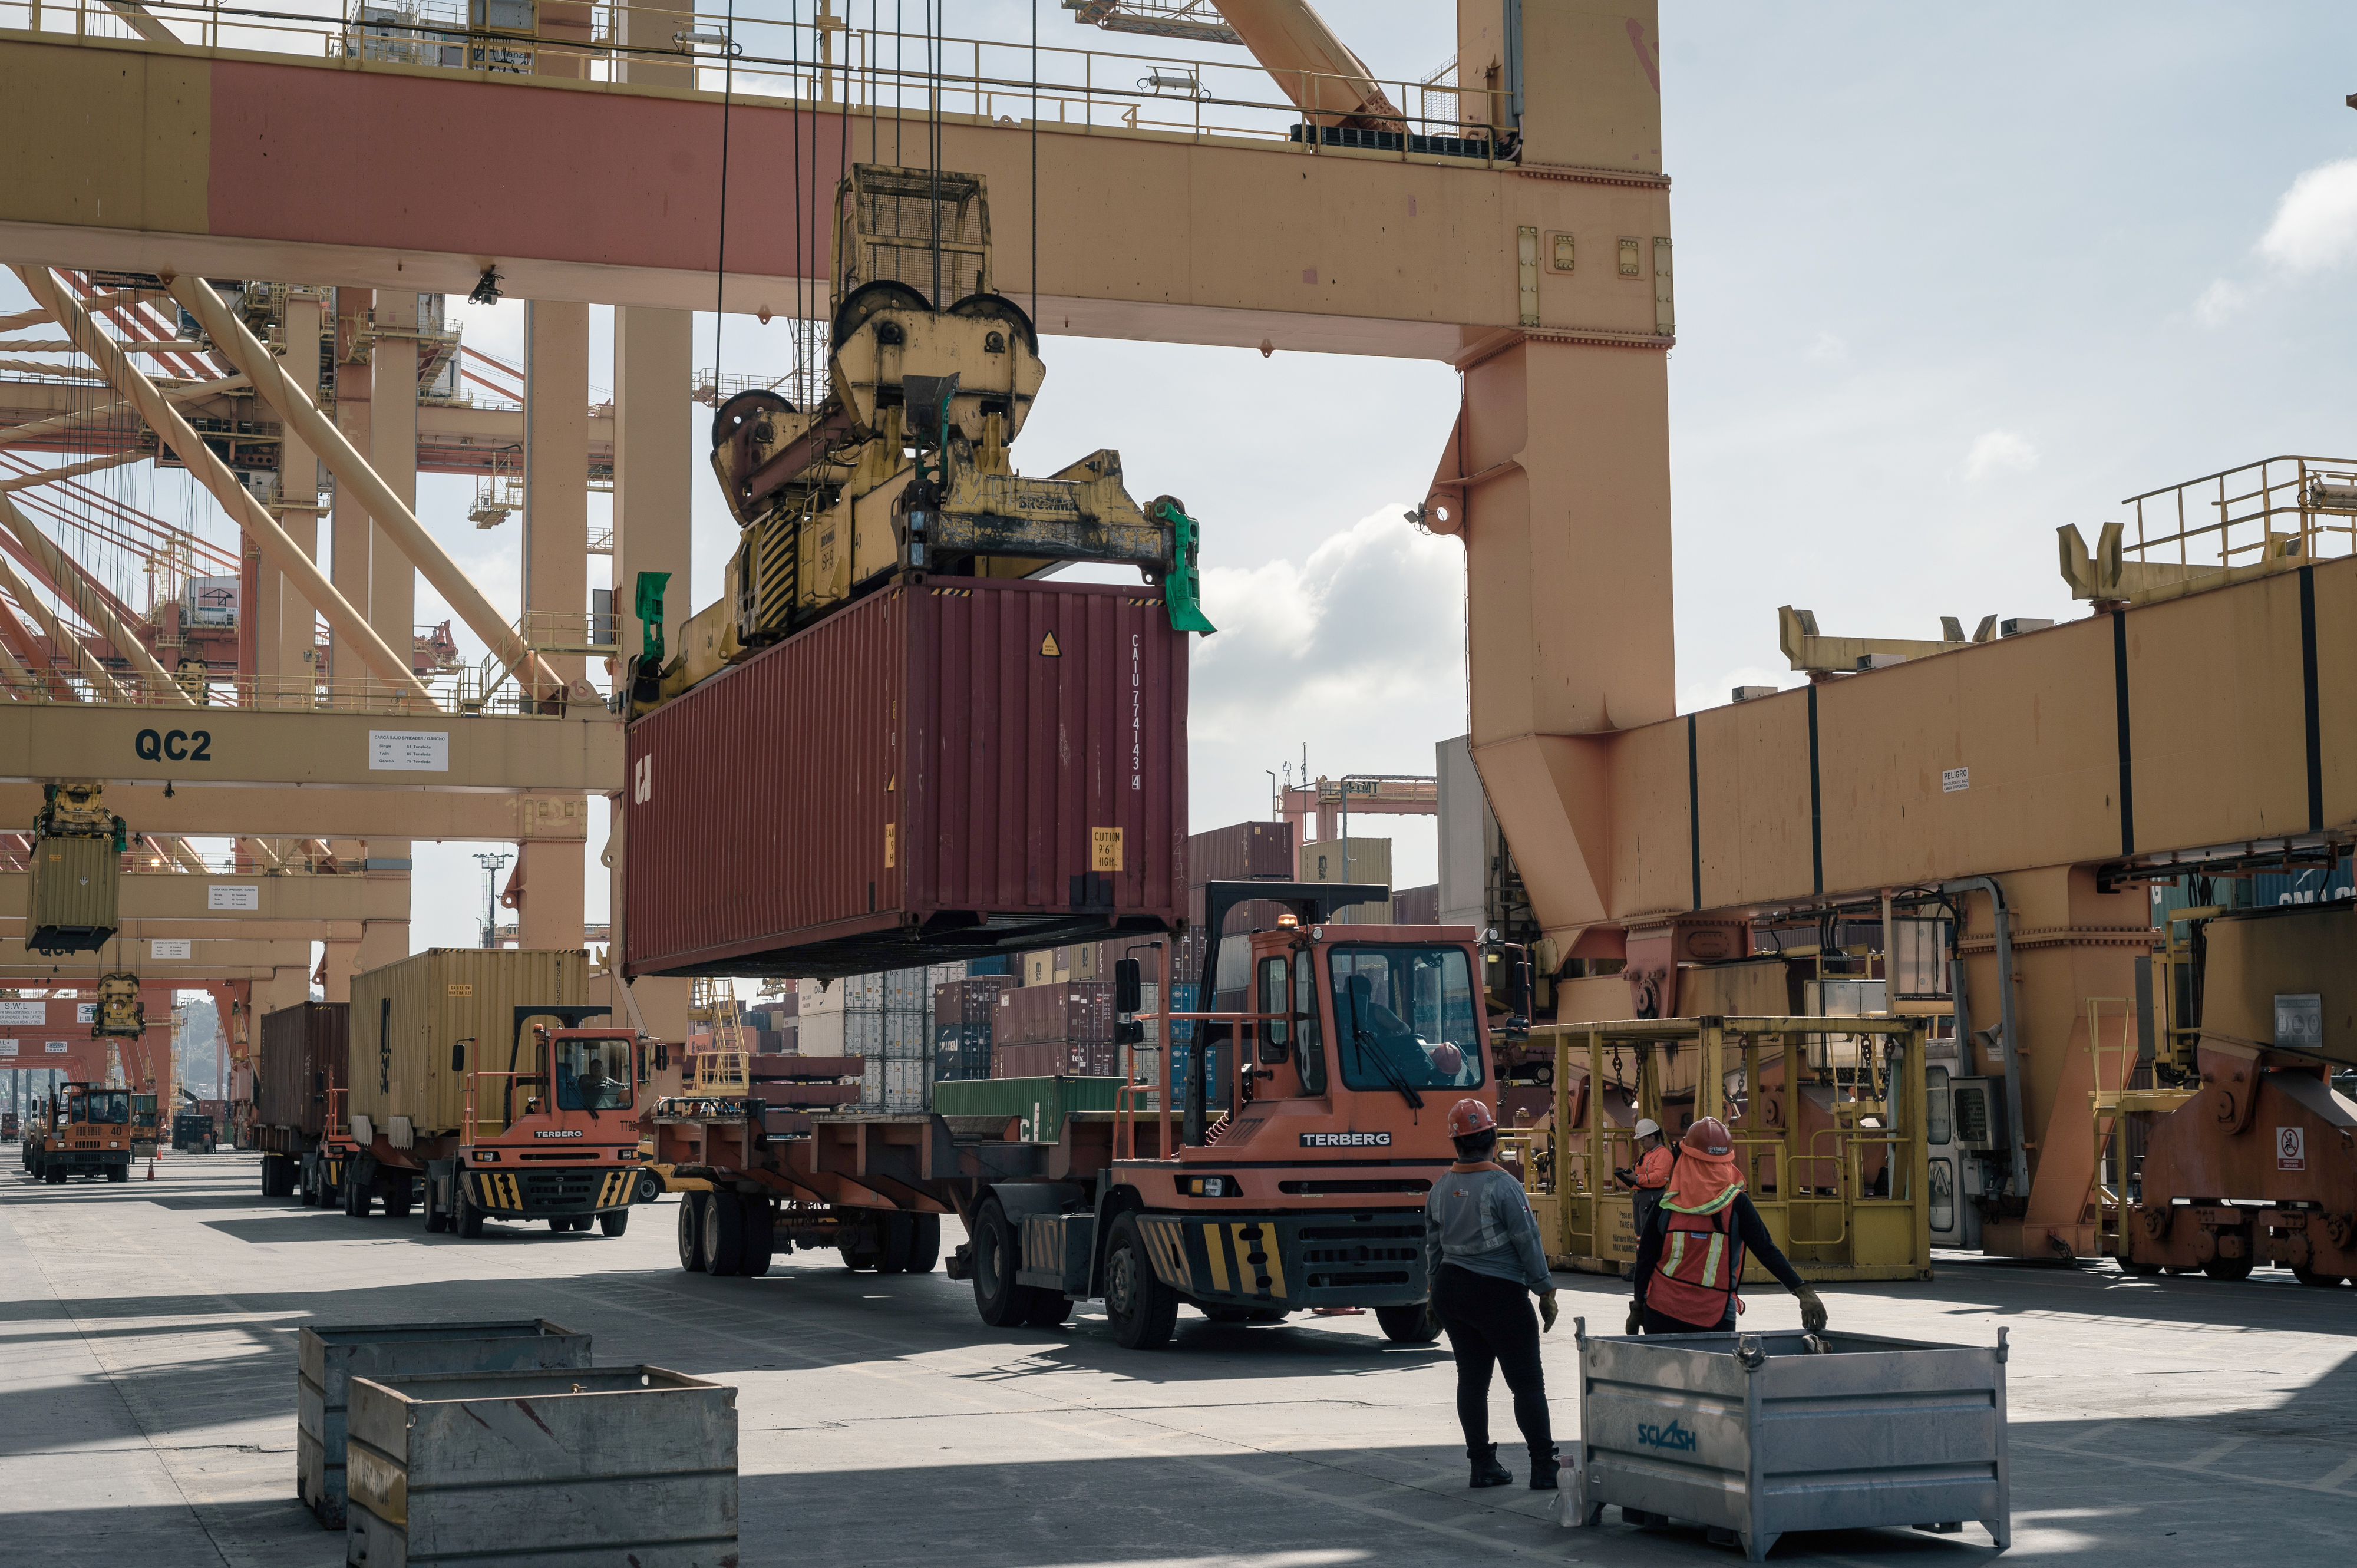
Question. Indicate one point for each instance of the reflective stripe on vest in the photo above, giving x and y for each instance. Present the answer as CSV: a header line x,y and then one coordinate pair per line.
x,y
1689,1283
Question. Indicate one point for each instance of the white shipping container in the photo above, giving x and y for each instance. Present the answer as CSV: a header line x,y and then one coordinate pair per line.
x,y
898,1036
908,1085
821,1035
818,997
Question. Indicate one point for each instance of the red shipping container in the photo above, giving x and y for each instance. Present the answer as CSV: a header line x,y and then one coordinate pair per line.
x,y
1078,1010
1240,852
941,770
1050,1059
302,1058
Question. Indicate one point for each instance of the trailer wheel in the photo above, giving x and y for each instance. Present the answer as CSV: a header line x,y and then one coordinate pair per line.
x,y
437,1219
2228,1270
396,1198
1416,1325
758,1236
924,1244
470,1219
1048,1308
1143,1309
724,1234
118,1173
997,1253
2326,1281
691,1231
898,1235
614,1221
357,1198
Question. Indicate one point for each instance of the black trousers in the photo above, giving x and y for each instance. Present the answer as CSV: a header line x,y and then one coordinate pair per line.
x,y
1491,1324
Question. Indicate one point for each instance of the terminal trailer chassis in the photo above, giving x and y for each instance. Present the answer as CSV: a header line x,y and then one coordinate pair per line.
x,y
1338,1074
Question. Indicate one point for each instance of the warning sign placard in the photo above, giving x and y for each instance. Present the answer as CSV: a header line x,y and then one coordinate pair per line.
x,y
2291,1148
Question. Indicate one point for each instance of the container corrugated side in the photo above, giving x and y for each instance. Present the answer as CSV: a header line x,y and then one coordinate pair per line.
x,y
1241,852
301,1059
405,1016
989,747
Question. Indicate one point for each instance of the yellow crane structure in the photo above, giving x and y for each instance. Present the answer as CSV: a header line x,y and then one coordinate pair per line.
x,y
1513,225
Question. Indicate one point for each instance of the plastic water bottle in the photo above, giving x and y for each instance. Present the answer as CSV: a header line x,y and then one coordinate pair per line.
x,y
1567,1489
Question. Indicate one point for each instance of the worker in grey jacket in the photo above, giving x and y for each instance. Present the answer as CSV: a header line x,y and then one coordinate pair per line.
x,y
1481,1252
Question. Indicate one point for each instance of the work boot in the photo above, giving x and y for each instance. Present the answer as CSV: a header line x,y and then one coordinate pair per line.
x,y
1543,1469
1487,1471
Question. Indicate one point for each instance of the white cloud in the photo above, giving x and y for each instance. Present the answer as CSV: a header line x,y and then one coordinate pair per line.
x,y
2316,222
2219,301
1827,349
1999,451
1357,649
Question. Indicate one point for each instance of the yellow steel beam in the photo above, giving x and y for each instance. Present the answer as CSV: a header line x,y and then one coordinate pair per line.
x,y
277,548
472,813
240,347
207,959
222,897
12,929
55,742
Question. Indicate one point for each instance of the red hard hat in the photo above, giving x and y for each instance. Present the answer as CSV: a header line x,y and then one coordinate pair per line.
x,y
1709,1138
1469,1116
1448,1060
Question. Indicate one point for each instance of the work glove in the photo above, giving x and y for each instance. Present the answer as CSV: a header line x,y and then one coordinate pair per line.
x,y
1812,1309
1547,1310
1636,1318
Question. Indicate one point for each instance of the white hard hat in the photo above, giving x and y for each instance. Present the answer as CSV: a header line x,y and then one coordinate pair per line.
x,y
1648,1128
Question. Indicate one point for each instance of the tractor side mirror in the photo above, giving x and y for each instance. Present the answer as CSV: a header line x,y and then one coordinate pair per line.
x,y
458,1056
1129,987
663,1056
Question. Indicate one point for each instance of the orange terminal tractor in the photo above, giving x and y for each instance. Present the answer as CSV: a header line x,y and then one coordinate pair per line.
x,y
1285,1170
549,1132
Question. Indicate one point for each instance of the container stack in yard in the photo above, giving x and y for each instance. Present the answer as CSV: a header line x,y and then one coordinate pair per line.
x,y
1043,1031
300,1070
1362,860
962,1011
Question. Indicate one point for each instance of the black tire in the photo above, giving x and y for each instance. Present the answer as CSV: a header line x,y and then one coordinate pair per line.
x,y
925,1245
307,1186
997,1250
562,1224
1416,1325
118,1173
1143,1309
470,1219
649,1187
269,1175
1048,1308
2228,1270
357,1198
899,1236
1228,1314
757,1236
614,1221
396,1198
437,1219
2322,1282
691,1231
722,1239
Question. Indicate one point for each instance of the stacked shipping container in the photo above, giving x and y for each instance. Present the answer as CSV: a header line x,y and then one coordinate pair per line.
x,y
1039,1031
961,1020
885,1017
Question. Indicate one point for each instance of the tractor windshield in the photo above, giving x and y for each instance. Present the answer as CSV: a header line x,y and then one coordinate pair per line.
x,y
1404,1018
101,1105
592,1075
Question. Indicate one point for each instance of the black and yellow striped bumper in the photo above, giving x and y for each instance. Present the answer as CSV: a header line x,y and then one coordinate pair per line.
x,y
539,1193
1293,1261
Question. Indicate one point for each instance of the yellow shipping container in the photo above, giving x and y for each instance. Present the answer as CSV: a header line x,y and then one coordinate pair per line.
x,y
1352,859
71,904
405,1016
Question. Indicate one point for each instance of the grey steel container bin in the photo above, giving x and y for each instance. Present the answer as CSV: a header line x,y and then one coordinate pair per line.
x,y
326,1359
607,1465
1753,1433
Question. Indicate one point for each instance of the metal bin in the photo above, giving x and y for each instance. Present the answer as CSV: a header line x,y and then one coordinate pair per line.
x,y
1756,1435
607,1465
328,1358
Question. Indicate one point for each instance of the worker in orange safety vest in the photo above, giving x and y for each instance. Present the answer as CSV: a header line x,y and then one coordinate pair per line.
x,y
1655,1159
1689,1269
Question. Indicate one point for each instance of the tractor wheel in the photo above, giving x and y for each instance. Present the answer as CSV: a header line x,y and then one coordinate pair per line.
x,y
2323,1282
997,1253
691,1231
470,1219
2228,1269
614,1221
1143,1309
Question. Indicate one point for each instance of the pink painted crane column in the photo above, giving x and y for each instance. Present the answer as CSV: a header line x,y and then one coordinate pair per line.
x,y
391,451
550,853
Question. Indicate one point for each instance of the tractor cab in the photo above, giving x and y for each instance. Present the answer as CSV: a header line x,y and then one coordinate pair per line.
x,y
553,1134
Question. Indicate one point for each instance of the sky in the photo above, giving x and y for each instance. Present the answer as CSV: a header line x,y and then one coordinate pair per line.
x,y
1948,278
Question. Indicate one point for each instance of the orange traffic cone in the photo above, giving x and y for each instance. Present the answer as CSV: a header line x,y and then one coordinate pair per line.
x,y
151,1167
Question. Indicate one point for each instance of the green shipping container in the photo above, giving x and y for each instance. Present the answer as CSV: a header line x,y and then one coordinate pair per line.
x,y
76,886
405,1017
1041,1103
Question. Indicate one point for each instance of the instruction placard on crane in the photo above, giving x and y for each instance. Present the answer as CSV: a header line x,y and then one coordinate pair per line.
x,y
410,750
233,895
2291,1148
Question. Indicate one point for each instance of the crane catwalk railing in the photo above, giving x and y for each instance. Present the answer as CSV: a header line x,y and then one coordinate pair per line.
x,y
2278,507
893,80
